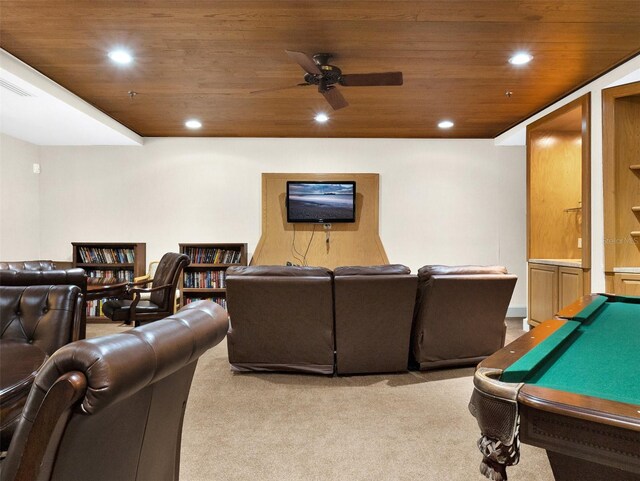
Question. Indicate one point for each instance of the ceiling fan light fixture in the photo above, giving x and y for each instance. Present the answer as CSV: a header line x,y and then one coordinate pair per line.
x,y
120,56
520,58
445,124
193,124
321,118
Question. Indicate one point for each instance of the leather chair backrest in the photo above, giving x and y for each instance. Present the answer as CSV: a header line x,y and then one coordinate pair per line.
x,y
28,265
46,316
168,272
281,318
127,422
373,315
459,314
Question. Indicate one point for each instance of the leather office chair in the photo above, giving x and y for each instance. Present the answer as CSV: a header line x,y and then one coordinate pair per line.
x,y
281,319
373,312
459,317
162,294
111,408
151,272
40,318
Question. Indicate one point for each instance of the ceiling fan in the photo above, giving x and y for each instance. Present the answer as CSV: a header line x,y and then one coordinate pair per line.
x,y
319,72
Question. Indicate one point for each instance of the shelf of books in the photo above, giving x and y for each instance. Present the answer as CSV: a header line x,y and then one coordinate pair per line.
x,y
122,260
205,277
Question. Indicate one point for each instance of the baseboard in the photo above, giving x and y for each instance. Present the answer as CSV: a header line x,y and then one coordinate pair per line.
x,y
517,312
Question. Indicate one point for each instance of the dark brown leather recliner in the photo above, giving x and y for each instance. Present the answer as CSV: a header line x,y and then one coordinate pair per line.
x,y
162,294
111,408
281,319
459,317
373,314
44,317
44,273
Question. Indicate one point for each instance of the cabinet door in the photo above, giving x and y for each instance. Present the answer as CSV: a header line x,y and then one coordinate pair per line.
x,y
570,285
626,284
543,293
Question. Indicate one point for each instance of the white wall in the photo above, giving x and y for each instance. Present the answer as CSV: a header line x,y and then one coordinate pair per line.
x,y
19,200
441,201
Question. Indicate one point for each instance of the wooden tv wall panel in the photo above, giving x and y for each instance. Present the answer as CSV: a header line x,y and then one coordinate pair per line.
x,y
350,243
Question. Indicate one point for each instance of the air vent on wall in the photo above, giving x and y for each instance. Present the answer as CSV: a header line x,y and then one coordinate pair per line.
x,y
14,88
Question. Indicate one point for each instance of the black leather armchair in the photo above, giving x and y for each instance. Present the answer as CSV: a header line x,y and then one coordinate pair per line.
x,y
162,294
35,321
111,408
46,273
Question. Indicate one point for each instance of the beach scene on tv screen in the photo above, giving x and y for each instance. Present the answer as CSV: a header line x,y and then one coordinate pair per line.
x,y
320,201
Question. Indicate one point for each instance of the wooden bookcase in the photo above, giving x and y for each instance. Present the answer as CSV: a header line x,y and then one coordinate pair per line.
x,y
621,165
204,278
124,260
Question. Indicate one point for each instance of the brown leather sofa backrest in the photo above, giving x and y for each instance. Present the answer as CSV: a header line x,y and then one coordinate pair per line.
x,y
118,401
373,314
169,268
32,277
281,319
459,314
46,316
28,265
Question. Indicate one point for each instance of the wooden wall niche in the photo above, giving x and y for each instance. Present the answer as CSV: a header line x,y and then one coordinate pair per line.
x,y
350,243
558,185
621,157
558,209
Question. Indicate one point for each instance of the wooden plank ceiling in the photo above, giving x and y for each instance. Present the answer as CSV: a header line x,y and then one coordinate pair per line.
x,y
203,59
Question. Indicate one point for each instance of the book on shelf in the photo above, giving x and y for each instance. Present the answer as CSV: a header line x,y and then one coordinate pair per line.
x,y
212,255
218,300
122,274
205,280
94,308
104,255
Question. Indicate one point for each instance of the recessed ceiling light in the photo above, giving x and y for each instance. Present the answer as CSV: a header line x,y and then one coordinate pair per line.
x,y
321,118
193,124
445,124
120,56
520,58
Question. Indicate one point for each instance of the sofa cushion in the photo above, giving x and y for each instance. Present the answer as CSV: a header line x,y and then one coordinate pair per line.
x,y
118,310
384,270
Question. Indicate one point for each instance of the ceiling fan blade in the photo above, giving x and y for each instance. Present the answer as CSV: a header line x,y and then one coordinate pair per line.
x,y
335,98
304,61
279,88
371,79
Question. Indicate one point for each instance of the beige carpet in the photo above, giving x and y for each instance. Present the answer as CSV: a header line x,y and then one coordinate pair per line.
x,y
276,427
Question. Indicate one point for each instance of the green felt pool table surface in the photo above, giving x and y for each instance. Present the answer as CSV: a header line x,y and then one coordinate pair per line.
x,y
595,353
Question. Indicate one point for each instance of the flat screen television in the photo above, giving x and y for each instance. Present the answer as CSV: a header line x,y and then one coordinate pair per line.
x,y
321,202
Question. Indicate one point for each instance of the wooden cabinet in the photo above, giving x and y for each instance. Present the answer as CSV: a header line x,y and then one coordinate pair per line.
x,y
543,293
205,277
626,284
570,285
551,288
122,260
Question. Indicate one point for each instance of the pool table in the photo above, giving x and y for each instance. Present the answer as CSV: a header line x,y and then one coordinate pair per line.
x,y
570,386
